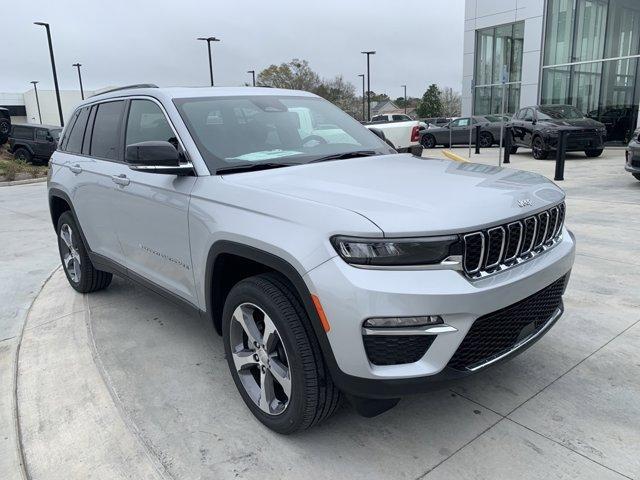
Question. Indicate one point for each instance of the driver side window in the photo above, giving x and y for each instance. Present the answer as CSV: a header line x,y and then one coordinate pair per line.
x,y
147,122
528,117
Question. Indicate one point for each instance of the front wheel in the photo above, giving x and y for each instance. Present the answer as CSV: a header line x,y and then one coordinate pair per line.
x,y
486,139
274,357
593,153
539,148
636,176
80,272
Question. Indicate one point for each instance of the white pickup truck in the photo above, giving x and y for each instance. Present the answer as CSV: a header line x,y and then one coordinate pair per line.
x,y
404,135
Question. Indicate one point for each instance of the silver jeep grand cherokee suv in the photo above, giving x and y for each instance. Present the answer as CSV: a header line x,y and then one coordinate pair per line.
x,y
330,264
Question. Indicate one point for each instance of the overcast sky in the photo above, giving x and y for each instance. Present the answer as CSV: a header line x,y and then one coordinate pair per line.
x,y
125,41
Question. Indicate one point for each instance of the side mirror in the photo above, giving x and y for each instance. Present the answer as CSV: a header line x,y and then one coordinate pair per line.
x,y
49,137
155,157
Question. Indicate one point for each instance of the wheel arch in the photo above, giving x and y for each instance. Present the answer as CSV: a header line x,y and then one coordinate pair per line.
x,y
225,257
25,146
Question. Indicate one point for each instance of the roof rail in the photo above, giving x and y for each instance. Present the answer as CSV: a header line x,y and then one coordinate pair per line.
x,y
127,87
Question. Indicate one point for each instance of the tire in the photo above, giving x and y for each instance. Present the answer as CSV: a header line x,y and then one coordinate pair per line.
x,y
593,153
636,176
486,139
428,141
513,150
22,154
80,272
5,128
539,148
292,353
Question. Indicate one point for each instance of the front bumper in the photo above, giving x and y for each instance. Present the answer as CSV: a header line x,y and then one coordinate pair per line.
x,y
350,295
633,157
577,142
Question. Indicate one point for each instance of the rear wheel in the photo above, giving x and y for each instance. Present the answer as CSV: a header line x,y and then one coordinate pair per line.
x,y
80,272
23,155
486,139
593,153
428,141
274,357
539,148
5,126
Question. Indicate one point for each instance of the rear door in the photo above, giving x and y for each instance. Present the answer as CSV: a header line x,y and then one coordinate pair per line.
x,y
90,153
151,209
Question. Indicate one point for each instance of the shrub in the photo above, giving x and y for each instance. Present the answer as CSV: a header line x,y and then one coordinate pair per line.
x,y
11,170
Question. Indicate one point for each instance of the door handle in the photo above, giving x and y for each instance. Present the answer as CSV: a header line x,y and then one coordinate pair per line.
x,y
121,180
75,168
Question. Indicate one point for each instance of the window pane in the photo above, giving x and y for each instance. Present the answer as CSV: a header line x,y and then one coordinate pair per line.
x,y
484,57
496,99
146,123
513,100
585,86
517,49
482,101
41,135
74,143
22,132
105,137
502,52
623,30
559,32
590,26
618,107
555,85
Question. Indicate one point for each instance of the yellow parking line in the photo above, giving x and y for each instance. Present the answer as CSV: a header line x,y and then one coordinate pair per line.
x,y
449,154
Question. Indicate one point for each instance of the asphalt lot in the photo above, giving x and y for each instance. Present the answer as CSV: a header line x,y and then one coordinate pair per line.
x,y
121,384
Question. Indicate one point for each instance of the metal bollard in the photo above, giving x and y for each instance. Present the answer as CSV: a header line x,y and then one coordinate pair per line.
x,y
561,154
478,127
507,145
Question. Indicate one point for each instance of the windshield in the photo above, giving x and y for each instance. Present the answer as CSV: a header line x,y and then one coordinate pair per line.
x,y
286,130
559,112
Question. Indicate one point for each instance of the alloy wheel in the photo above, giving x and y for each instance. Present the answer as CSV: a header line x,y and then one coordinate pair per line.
x,y
485,140
70,255
260,358
538,149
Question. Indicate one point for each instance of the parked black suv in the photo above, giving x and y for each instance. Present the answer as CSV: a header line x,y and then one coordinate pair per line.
x,y
538,128
34,143
5,125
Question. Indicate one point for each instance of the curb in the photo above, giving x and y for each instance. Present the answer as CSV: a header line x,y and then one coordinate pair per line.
x,y
23,182
452,156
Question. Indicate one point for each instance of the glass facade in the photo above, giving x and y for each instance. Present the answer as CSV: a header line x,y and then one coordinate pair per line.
x,y
591,61
497,49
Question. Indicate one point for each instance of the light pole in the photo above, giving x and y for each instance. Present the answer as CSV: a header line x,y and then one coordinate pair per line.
x,y
363,92
53,67
78,65
209,40
368,54
253,76
35,88
405,98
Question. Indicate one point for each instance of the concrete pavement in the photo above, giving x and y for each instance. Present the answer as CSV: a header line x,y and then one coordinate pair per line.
x,y
121,384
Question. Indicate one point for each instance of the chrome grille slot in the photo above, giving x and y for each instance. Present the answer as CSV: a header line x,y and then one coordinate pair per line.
x,y
543,226
493,250
473,252
514,241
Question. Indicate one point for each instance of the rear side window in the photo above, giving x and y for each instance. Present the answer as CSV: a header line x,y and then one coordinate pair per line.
x,y
23,133
74,140
147,122
401,118
105,138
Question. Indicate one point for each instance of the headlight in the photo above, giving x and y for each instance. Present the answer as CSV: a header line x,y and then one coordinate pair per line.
x,y
397,251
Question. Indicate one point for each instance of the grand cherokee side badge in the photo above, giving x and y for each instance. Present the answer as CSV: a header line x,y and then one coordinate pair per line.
x,y
526,202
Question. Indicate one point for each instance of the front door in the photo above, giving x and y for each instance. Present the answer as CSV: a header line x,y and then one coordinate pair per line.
x,y
460,131
152,210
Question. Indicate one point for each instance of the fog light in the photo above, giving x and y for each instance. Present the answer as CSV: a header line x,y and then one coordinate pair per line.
x,y
398,322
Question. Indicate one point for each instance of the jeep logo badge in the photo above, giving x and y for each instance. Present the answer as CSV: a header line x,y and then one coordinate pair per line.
x,y
524,203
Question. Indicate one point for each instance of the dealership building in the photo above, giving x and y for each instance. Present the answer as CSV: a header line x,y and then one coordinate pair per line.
x,y
579,52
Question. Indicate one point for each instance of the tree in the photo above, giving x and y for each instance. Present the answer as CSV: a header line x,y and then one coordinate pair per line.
x,y
295,75
339,92
430,105
451,102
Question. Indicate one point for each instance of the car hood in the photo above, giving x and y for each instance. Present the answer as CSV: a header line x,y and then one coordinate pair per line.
x,y
578,122
407,195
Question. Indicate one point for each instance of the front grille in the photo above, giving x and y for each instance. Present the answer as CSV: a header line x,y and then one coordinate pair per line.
x,y
494,334
396,349
494,249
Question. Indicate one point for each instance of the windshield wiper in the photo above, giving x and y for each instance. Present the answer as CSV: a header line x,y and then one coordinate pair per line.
x,y
342,156
252,167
